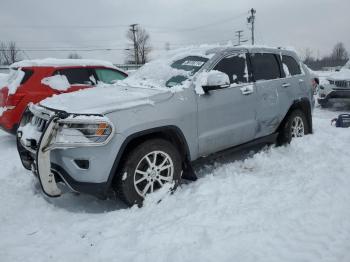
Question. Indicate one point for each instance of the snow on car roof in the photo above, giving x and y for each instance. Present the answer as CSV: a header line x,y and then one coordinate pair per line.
x,y
55,62
207,50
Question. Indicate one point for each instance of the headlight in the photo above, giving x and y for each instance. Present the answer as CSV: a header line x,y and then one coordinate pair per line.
x,y
83,131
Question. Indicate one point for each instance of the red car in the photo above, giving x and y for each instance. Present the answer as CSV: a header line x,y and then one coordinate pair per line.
x,y
35,80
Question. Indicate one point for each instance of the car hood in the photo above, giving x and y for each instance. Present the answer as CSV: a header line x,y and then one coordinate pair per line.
x,y
343,74
102,100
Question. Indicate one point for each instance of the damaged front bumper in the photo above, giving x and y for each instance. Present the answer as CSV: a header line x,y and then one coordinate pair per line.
x,y
333,94
35,147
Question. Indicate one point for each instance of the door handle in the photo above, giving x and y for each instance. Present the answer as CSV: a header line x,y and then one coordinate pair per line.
x,y
285,85
246,90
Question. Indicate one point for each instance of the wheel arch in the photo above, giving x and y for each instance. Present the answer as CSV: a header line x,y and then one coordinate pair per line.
x,y
304,105
172,134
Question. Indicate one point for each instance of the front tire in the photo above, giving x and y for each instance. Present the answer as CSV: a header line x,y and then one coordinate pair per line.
x,y
146,169
295,126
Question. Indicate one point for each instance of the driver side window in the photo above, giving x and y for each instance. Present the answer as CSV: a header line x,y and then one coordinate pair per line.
x,y
235,66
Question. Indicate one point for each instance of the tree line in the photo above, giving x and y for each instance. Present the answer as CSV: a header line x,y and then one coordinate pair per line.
x,y
337,58
9,53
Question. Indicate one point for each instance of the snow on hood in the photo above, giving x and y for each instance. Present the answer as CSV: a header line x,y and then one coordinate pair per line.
x,y
103,99
343,74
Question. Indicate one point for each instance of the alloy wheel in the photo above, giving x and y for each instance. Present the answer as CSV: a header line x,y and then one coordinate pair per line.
x,y
152,172
297,127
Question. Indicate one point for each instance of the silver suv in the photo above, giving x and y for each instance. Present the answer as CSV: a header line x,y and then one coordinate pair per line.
x,y
193,103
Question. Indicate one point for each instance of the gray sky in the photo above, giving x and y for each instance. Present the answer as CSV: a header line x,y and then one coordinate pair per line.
x,y
91,24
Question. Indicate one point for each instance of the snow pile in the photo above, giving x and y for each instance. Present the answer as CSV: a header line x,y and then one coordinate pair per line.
x,y
282,204
57,82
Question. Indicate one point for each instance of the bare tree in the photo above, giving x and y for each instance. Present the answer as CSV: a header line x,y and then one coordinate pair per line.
x,y
140,48
339,52
9,53
74,56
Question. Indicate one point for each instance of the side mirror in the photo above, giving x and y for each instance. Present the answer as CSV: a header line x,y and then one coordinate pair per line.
x,y
215,80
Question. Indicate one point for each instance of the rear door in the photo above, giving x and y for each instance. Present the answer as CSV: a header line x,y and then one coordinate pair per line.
x,y
226,117
267,75
293,82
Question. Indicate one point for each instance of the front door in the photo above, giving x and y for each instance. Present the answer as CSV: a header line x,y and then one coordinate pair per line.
x,y
226,117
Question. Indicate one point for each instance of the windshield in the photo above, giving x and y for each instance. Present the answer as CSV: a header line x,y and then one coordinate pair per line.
x,y
166,73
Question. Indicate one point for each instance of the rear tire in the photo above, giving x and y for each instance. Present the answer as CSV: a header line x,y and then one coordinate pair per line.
x,y
296,125
146,169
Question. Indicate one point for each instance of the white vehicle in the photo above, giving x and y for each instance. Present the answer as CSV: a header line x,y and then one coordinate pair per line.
x,y
336,88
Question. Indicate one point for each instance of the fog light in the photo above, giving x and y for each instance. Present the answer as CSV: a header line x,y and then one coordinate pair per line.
x,y
82,163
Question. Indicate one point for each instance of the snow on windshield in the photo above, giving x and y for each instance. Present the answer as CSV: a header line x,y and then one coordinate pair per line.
x,y
171,70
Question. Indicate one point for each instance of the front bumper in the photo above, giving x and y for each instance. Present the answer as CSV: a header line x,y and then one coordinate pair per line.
x,y
331,94
54,166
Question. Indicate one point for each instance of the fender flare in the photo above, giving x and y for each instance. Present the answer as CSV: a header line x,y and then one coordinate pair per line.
x,y
146,133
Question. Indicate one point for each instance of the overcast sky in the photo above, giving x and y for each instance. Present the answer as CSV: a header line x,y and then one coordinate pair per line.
x,y
91,24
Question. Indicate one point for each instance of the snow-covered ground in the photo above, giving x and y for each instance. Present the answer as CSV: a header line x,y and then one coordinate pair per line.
x,y
281,204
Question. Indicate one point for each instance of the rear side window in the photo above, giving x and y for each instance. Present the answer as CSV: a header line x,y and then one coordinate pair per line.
x,y
290,66
80,76
265,66
235,66
108,76
27,74
15,73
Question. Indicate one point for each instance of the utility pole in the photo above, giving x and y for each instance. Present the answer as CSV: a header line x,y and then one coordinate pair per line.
x,y
133,29
251,20
240,35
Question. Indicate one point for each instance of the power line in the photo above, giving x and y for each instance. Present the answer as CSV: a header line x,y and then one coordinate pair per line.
x,y
212,24
176,29
61,50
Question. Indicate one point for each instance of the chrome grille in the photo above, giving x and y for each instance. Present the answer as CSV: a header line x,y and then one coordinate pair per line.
x,y
39,123
341,83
